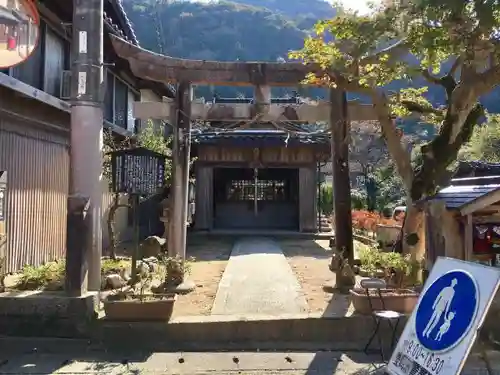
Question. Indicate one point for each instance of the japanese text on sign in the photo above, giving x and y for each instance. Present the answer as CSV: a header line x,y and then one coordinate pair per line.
x,y
412,356
138,174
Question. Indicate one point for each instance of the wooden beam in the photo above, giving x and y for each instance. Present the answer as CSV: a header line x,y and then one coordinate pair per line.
x,y
481,202
33,93
469,238
305,113
155,67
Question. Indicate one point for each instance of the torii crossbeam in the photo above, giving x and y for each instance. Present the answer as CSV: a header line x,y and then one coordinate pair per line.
x,y
155,67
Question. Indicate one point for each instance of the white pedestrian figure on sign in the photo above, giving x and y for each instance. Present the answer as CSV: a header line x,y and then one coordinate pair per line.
x,y
445,326
441,305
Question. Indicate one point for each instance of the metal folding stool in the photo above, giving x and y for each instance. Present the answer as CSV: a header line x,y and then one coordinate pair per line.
x,y
379,315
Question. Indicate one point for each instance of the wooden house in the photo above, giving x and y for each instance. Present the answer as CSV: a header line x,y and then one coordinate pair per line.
x,y
463,221
35,130
258,179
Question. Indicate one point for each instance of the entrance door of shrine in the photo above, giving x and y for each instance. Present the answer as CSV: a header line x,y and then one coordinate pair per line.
x,y
259,198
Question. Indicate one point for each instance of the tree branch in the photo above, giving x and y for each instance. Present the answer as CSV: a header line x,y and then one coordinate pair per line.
x,y
456,64
420,108
483,83
398,152
431,78
396,51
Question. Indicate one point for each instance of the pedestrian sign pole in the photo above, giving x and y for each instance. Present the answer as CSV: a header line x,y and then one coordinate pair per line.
x,y
443,327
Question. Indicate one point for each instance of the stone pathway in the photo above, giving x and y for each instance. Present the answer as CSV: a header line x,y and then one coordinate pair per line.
x,y
258,280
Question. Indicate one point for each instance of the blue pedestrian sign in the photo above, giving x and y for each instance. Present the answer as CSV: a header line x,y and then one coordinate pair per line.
x,y
443,326
446,311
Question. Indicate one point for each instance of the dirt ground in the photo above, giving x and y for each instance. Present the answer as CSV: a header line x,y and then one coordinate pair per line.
x,y
309,260
211,256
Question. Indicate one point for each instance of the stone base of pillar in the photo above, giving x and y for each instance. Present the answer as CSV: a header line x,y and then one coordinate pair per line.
x,y
187,286
47,313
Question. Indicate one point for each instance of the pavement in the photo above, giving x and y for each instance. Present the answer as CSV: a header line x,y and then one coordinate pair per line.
x,y
248,363
100,362
258,280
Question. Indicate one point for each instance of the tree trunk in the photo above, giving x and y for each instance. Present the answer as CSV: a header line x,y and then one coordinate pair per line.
x,y
413,239
111,225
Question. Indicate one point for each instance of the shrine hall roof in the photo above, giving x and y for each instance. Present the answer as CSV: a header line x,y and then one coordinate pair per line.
x,y
260,137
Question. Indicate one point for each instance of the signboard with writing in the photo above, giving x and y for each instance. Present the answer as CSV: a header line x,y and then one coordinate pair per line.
x,y
442,329
137,171
3,194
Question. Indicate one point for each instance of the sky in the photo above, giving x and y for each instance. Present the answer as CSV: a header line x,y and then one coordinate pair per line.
x,y
360,5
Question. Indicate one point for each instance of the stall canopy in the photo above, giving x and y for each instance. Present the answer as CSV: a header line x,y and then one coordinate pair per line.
x,y
468,195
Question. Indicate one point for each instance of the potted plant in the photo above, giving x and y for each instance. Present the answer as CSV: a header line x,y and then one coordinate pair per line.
x,y
134,304
395,270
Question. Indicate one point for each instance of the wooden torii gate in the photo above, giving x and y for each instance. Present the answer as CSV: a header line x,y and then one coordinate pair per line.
x,y
262,75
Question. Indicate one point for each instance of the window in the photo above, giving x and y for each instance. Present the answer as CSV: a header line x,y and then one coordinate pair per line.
x,y
121,104
56,56
118,103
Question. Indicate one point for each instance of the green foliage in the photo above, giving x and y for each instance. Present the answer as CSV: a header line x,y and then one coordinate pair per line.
x,y
374,261
485,142
149,137
326,199
50,276
358,199
153,139
47,276
450,42
390,188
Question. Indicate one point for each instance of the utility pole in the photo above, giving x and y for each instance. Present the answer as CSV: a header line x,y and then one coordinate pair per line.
x,y
340,130
87,80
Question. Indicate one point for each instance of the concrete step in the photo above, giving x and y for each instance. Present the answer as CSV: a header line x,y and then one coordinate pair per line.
x,y
215,332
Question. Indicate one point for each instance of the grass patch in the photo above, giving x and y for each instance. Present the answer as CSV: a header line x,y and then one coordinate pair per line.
x,y
109,266
50,276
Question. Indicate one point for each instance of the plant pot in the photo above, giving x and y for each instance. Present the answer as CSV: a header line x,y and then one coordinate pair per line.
x,y
399,300
153,307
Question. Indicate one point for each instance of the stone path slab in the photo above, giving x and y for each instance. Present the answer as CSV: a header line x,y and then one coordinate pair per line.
x,y
258,280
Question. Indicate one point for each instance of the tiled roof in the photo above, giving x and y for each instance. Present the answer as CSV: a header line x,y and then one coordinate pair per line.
x,y
256,137
125,31
456,197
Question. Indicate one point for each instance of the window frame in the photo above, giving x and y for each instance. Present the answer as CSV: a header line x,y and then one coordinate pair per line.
x,y
130,89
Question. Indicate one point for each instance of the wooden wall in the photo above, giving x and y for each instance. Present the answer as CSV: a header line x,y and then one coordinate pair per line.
x,y
265,155
204,213
308,220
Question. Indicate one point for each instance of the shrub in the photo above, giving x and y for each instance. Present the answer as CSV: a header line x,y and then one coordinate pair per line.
x,y
367,221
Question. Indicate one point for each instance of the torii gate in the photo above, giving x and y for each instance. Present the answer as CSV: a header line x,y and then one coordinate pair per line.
x,y
262,75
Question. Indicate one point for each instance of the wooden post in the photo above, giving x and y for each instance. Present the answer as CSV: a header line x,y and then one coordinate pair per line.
x,y
87,122
184,125
469,238
339,125
3,229
181,157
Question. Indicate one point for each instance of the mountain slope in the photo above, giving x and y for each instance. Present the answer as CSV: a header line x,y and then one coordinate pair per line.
x,y
246,30
215,31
